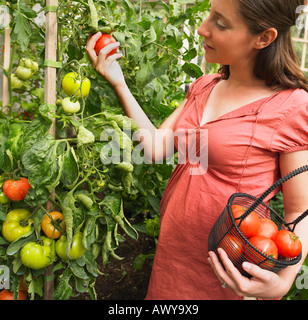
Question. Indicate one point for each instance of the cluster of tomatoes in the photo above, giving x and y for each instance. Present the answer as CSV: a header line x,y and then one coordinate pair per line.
x,y
18,223
24,72
264,235
75,87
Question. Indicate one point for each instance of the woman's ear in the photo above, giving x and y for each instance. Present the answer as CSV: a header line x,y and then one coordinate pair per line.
x,y
266,38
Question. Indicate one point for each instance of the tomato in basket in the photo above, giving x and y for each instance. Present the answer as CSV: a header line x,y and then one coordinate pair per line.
x,y
289,245
268,228
266,246
250,225
233,246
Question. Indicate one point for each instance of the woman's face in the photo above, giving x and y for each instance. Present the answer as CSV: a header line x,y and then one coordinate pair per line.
x,y
227,39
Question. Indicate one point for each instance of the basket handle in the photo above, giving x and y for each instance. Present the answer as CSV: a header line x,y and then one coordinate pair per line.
x,y
297,220
272,188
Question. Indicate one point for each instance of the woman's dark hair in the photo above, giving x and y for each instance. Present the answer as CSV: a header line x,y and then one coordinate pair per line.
x,y
278,63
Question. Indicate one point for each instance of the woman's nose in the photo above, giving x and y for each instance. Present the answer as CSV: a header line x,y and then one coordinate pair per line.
x,y
203,30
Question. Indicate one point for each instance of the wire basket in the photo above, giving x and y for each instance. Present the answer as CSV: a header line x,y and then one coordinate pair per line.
x,y
226,231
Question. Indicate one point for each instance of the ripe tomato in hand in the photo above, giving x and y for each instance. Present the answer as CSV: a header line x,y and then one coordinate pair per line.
x,y
250,225
16,190
268,228
233,246
289,245
8,295
103,41
52,224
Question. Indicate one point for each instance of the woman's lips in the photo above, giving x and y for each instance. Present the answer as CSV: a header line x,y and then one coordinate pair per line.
x,y
207,47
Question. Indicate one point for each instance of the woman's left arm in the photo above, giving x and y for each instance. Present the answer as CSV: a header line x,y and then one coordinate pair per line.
x,y
266,284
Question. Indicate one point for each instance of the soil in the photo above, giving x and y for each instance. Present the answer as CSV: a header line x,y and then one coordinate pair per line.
x,y
120,280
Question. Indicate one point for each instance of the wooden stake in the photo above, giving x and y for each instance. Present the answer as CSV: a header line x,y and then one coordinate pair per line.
x,y
6,61
50,98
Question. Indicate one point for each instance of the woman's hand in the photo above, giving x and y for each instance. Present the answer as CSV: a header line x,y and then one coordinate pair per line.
x,y
263,283
107,67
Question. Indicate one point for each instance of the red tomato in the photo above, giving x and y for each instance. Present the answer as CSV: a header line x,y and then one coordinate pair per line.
x,y
266,246
103,41
289,245
268,228
16,190
250,225
8,295
233,246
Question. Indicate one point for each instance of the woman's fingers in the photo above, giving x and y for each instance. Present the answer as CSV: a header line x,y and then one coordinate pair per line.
x,y
107,49
91,44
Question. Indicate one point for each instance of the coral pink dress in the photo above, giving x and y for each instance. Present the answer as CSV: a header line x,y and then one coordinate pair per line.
x,y
243,151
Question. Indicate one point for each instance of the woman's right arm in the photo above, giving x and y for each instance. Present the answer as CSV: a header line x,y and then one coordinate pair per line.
x,y
157,143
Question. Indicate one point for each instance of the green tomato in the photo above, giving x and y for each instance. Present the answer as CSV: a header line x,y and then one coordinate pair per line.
x,y
18,85
77,249
70,106
71,85
38,256
28,63
175,104
23,73
12,228
3,198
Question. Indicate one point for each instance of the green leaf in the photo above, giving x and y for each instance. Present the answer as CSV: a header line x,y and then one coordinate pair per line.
x,y
67,205
85,200
149,36
139,261
16,245
41,162
192,70
35,131
22,30
26,10
64,290
113,202
77,270
145,75
129,8
154,202
70,172
190,54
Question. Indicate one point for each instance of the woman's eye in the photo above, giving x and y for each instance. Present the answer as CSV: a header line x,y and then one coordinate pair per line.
x,y
220,26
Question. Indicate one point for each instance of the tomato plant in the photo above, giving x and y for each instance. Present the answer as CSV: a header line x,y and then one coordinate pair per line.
x,y
289,245
73,170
